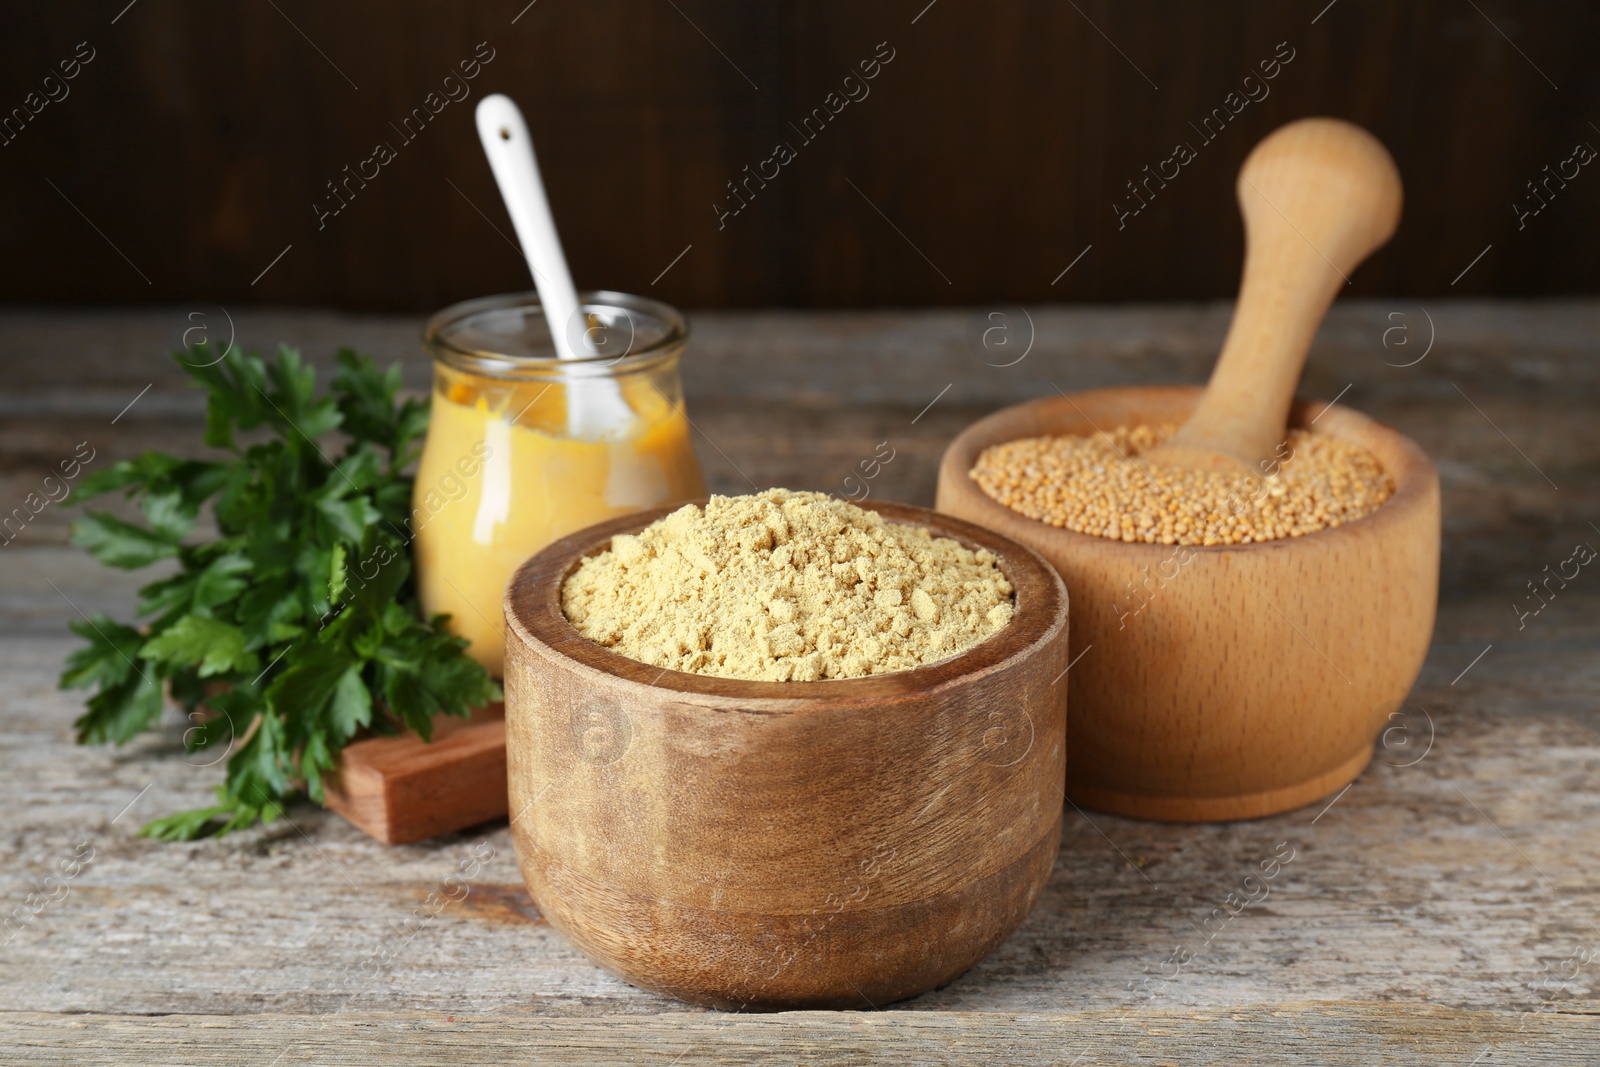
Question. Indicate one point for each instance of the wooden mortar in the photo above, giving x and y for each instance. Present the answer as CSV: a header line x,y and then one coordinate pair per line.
x,y
1254,677
1235,681
744,844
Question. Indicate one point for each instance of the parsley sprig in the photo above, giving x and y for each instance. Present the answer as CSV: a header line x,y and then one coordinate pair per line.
x,y
298,626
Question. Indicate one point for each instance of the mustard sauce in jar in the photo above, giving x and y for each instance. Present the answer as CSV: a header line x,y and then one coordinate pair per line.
x,y
507,468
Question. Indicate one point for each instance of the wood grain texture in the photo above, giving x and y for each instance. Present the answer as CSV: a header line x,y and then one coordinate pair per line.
x,y
1404,891
1232,681
1459,885
403,789
1318,196
1356,1034
1000,142
835,843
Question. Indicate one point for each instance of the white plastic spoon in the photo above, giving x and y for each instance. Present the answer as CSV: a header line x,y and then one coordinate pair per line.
x,y
595,407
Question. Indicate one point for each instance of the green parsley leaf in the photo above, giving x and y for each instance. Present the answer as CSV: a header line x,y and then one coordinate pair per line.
x,y
121,544
186,825
297,627
119,712
109,658
211,646
367,402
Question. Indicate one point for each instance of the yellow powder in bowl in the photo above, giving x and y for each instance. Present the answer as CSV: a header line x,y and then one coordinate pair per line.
x,y
785,586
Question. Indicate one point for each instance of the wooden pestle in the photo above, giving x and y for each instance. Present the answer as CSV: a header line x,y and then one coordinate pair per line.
x,y
1318,196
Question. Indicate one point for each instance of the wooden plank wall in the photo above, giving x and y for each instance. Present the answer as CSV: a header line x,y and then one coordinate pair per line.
x,y
196,143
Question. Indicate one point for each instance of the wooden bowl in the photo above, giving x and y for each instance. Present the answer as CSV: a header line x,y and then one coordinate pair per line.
x,y
1255,677
836,843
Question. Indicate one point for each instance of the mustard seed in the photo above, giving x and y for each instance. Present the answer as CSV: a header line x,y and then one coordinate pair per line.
x,y
1101,485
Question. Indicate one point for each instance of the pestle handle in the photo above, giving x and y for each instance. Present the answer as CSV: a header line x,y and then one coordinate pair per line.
x,y
1318,196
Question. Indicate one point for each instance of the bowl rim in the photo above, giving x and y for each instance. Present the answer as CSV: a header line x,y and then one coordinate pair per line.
x,y
1416,479
533,615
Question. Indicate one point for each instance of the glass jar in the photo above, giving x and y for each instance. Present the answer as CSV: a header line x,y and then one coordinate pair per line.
x,y
524,448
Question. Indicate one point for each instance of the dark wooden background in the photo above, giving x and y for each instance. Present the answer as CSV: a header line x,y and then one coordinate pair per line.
x,y
986,157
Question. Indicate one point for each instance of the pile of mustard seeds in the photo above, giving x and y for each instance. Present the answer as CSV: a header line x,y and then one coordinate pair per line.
x,y
1099,485
785,586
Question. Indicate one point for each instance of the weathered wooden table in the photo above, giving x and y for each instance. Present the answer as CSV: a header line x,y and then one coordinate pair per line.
x,y
1442,909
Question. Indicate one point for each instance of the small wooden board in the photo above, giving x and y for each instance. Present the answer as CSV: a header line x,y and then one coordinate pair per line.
x,y
404,789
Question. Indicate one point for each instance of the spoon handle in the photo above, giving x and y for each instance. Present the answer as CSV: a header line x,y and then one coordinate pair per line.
x,y
595,406
506,142
1318,196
